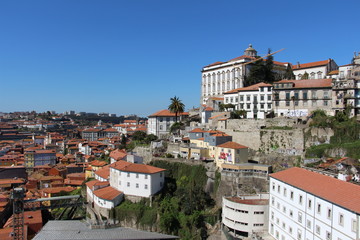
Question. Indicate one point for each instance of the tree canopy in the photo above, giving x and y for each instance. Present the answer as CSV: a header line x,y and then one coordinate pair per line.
x,y
176,106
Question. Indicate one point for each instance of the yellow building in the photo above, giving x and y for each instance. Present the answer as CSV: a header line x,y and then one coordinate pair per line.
x,y
230,153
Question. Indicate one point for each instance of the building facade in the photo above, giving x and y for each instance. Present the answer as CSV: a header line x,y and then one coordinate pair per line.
x,y
314,70
306,205
256,99
160,122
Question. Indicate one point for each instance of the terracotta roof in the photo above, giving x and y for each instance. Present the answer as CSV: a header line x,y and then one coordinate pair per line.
x,y
118,154
310,65
216,116
58,189
217,98
309,83
104,172
110,130
96,182
220,135
107,193
134,167
92,130
232,145
254,87
249,201
98,163
197,130
167,113
334,72
339,192
201,139
213,64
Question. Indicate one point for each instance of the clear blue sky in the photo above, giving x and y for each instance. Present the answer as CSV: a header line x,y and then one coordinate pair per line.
x,y
132,56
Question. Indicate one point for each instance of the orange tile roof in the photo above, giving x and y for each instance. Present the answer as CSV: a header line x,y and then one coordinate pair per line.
x,y
334,72
220,135
167,113
213,64
216,116
96,182
217,98
310,65
254,87
107,193
201,139
103,172
118,154
309,83
58,189
339,192
134,167
197,130
232,145
98,163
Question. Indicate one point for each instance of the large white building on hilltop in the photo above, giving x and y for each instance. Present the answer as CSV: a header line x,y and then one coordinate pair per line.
x,y
220,77
305,205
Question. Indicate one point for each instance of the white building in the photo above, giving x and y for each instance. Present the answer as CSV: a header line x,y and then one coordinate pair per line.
x,y
102,195
315,70
256,99
221,77
246,214
136,179
306,205
160,122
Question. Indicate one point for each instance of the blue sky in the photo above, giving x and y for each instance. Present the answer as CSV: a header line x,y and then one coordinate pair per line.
x,y
131,57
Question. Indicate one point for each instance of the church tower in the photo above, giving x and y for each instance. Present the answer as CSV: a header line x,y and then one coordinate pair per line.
x,y
250,51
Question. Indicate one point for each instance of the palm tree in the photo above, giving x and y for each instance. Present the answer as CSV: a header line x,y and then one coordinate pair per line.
x,y
176,106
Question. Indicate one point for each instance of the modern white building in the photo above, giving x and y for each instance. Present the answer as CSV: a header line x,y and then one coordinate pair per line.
x,y
136,179
315,70
305,205
160,122
246,215
256,99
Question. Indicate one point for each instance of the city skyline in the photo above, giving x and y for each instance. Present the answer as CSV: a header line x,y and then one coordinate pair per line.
x,y
132,57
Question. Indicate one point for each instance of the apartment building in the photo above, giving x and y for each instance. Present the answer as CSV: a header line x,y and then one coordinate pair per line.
x,y
256,99
160,122
306,205
298,98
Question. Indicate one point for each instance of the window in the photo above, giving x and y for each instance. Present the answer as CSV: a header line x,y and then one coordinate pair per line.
x,y
299,217
308,224
305,95
248,98
329,213
291,195
241,98
128,174
326,94
291,213
262,98
317,229
326,103
353,225
283,225
146,186
277,220
300,200
296,95
160,119
269,98
328,235
128,184
284,209
137,175
319,208
309,204
284,192
248,106
261,106
146,176
272,201
272,216
287,103
269,105
137,185
119,182
341,219
161,174
299,234
290,230
278,188
287,96
278,205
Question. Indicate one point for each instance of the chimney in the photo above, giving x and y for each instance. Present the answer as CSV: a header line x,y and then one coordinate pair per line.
x,y
298,64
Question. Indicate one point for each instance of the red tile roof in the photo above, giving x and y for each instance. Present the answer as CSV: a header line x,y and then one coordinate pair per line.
x,y
167,113
334,72
232,145
216,116
217,98
118,154
310,65
98,163
134,167
58,189
197,130
107,193
309,83
339,192
254,87
103,172
96,182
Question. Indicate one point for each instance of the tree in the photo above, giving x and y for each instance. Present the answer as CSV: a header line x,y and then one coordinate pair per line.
x,y
256,74
305,76
289,74
268,70
176,106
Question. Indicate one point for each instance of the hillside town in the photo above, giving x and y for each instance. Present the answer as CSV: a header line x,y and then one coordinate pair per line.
x,y
272,156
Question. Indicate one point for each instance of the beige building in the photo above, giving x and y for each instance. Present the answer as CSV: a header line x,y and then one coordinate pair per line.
x,y
298,98
314,70
230,153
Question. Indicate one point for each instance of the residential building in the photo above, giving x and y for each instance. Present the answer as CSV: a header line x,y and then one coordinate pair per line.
x,y
298,98
39,157
314,70
101,194
136,179
309,205
230,153
256,99
245,215
160,122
